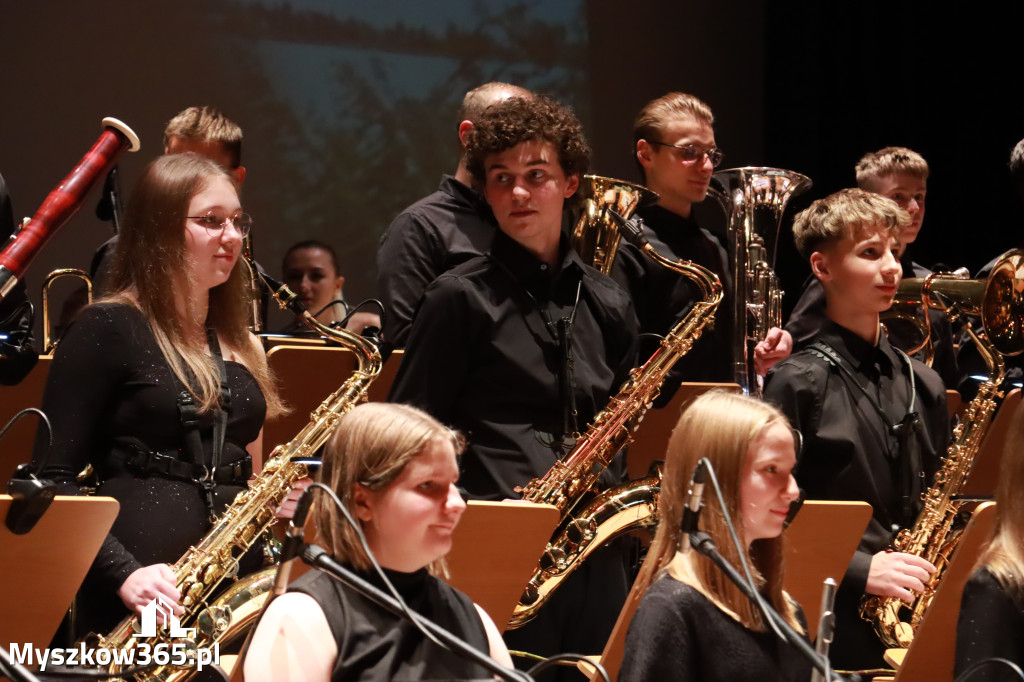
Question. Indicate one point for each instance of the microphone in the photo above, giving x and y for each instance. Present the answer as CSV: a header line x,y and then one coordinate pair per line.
x,y
694,503
293,541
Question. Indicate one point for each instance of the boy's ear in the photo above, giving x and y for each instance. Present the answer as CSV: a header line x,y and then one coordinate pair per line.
x,y
643,153
820,266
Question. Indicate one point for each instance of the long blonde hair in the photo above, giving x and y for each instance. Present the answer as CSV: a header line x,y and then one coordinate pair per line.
x,y
720,426
1004,556
372,446
148,262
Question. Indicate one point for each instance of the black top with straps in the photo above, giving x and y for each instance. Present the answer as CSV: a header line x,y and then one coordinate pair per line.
x,y
114,401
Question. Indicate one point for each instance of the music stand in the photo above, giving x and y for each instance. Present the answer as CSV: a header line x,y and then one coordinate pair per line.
x,y
53,559
931,656
651,439
495,550
819,544
306,375
984,474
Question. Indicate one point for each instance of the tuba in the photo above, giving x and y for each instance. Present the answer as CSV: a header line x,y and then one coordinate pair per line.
x,y
596,235
999,304
754,199
63,202
206,565
634,504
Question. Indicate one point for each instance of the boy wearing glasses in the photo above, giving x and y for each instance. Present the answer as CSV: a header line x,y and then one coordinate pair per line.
x,y
676,153
902,175
873,420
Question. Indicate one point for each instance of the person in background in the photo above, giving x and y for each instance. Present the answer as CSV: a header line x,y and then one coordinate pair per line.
x,y
310,269
441,230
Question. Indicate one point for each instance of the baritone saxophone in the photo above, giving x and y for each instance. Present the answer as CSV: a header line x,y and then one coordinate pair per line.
x,y
635,503
999,303
206,565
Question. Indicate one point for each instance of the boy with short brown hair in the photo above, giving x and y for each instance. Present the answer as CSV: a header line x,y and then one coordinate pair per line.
x,y
874,421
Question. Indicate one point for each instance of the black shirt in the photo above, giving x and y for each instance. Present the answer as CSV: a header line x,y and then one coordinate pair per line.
x,y
678,635
375,644
110,390
430,237
663,296
482,358
849,452
808,315
991,625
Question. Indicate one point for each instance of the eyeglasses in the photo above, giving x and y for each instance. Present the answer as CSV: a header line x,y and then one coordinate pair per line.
x,y
215,224
691,153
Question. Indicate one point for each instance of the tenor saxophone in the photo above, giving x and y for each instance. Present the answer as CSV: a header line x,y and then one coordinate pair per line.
x,y
634,504
206,565
939,525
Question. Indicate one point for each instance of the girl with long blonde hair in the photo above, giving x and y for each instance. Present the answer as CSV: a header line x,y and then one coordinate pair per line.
x,y
692,623
160,386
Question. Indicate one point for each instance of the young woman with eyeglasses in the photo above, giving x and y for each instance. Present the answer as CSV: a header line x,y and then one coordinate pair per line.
x,y
160,386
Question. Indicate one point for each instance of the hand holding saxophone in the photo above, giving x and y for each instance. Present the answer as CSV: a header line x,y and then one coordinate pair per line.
x,y
148,583
899,575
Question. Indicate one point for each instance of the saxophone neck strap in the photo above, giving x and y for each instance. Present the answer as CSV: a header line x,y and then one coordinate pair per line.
x,y
909,465
188,412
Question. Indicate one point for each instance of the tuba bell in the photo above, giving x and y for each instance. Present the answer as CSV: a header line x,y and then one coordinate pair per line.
x,y
754,200
596,235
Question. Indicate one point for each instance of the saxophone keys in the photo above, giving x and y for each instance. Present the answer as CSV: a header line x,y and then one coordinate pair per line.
x,y
553,559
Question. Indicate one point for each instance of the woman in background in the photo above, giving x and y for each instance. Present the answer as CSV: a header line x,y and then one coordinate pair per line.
x,y
394,468
692,622
310,269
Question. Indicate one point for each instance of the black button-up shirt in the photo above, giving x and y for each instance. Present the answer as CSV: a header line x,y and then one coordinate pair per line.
x,y
850,453
482,358
430,237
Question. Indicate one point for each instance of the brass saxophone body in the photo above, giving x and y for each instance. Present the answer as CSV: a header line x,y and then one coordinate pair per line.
x,y
634,504
206,565
937,530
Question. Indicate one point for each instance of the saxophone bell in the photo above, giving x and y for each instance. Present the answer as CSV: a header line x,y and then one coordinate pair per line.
x,y
595,236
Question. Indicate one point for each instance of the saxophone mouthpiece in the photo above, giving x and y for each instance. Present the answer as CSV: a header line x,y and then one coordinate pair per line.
x,y
632,229
285,296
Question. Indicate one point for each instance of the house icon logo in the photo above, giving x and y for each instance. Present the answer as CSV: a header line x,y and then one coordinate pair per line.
x,y
170,622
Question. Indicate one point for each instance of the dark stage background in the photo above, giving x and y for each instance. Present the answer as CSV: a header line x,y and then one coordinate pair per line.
x,y
348,107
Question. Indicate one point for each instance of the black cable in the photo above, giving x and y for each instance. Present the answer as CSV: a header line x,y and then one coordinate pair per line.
x,y
967,674
46,420
414,617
